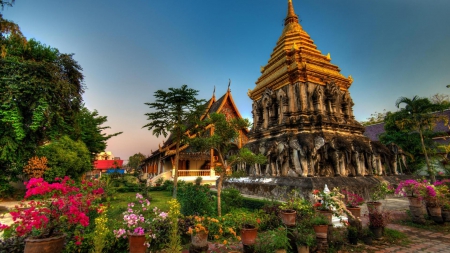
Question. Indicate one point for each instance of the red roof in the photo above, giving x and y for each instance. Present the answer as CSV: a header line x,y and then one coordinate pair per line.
x,y
107,164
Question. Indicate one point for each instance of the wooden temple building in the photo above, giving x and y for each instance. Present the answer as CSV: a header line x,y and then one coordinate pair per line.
x,y
193,164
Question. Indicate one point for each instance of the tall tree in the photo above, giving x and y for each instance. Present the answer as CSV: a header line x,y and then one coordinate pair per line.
x,y
88,127
40,95
172,111
419,115
223,140
135,160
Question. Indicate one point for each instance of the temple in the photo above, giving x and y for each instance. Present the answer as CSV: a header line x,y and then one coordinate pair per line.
x,y
193,164
303,118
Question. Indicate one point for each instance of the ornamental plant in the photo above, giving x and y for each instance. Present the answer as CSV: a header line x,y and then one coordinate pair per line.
x,y
331,201
381,191
379,219
411,188
62,207
352,199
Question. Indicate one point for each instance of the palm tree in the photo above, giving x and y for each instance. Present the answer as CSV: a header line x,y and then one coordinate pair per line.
x,y
418,115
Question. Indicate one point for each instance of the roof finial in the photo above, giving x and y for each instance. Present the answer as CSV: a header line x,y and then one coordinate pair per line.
x,y
214,92
229,83
291,16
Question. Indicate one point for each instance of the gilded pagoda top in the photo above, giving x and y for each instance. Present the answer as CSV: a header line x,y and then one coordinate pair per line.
x,y
296,58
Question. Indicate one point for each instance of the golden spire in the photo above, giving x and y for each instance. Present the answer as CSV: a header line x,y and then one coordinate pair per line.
x,y
291,16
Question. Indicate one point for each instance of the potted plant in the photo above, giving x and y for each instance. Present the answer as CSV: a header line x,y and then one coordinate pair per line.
x,y
62,207
304,237
352,235
199,234
330,203
159,181
353,203
249,229
380,192
320,224
287,213
279,241
378,221
136,223
413,190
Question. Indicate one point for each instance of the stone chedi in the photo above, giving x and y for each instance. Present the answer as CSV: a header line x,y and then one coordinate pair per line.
x,y
303,118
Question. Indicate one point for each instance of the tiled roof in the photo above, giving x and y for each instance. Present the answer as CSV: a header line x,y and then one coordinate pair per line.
x,y
107,164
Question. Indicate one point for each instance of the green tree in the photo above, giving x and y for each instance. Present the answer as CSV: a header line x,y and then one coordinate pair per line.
x,y
40,95
88,127
172,110
419,115
135,160
375,118
66,157
222,141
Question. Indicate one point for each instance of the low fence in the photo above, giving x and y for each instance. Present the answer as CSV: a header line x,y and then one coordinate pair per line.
x,y
194,173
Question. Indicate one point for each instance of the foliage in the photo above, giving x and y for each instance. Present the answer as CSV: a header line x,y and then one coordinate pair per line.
x,y
66,158
40,95
381,191
134,218
63,208
12,245
304,234
36,167
419,115
279,239
195,199
379,219
352,232
375,118
319,219
411,188
101,230
231,198
171,111
352,199
394,236
174,244
331,201
135,160
198,180
88,128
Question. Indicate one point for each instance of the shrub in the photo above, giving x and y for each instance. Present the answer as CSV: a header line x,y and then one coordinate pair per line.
x,y
231,198
195,199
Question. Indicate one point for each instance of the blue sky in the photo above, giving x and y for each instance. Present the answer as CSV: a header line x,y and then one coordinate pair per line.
x,y
130,49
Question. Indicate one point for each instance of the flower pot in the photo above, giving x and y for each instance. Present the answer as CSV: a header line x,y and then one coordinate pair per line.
x,y
356,211
435,211
248,235
374,207
200,239
328,214
377,232
446,215
47,245
353,240
415,201
288,217
302,249
136,243
321,231
417,214
431,201
280,251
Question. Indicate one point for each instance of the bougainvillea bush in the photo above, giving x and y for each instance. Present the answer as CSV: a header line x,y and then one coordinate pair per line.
x,y
59,207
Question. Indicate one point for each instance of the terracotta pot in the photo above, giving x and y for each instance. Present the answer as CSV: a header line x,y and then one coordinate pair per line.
x,y
431,201
446,215
288,217
47,245
136,243
356,211
248,235
302,249
435,211
377,232
200,239
374,207
280,251
321,231
414,201
328,214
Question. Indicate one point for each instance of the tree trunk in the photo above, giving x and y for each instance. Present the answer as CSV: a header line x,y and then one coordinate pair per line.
x,y
430,170
219,192
175,177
